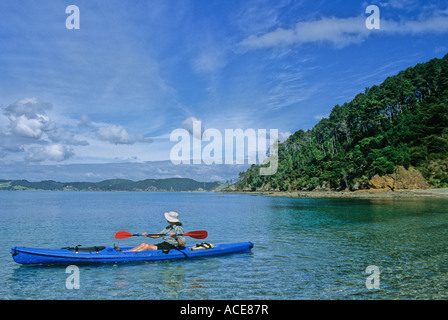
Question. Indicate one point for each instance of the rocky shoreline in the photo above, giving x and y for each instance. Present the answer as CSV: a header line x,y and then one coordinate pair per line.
x,y
369,194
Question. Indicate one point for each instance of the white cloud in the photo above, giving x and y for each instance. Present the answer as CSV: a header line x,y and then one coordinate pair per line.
x,y
437,24
139,138
53,152
28,133
28,118
399,4
29,127
29,107
119,135
288,88
260,15
115,134
341,32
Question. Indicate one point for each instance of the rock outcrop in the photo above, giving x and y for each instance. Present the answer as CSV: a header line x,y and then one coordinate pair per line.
x,y
401,179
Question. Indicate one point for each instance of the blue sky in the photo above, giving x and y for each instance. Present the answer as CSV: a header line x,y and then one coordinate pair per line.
x,y
113,91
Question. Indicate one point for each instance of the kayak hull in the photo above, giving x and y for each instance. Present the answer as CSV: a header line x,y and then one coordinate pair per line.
x,y
24,255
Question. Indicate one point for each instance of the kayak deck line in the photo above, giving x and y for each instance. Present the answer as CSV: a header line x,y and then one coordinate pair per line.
x,y
25,255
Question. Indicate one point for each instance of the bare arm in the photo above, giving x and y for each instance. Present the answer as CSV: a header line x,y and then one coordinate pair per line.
x,y
150,236
179,241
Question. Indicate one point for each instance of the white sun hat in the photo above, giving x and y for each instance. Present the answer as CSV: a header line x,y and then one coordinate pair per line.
x,y
171,216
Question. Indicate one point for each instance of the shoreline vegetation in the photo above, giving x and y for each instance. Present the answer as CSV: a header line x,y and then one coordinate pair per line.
x,y
370,194
148,185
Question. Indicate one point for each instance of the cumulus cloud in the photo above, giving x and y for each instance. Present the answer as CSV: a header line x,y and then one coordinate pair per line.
x,y
114,134
119,135
28,118
28,107
53,152
29,133
29,125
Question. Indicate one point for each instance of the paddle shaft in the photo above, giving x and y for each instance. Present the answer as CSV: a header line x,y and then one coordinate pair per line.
x,y
156,234
202,234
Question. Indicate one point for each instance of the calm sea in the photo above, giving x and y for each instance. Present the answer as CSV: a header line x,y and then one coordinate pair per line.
x,y
304,248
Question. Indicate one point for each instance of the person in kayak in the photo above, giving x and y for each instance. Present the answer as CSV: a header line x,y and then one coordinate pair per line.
x,y
171,240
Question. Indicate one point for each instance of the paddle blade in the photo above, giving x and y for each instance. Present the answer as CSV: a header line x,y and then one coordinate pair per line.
x,y
123,235
201,234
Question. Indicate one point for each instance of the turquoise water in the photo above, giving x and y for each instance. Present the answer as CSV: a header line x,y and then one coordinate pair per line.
x,y
304,248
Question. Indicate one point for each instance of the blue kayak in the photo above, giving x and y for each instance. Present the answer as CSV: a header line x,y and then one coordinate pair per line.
x,y
102,254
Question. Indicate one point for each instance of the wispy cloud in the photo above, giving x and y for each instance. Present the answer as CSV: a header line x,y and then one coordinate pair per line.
x,y
341,32
400,4
435,24
336,31
287,88
209,61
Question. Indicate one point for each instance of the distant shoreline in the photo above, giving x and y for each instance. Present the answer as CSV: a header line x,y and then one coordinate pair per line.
x,y
369,194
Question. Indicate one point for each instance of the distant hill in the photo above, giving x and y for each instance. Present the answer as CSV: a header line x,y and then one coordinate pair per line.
x,y
171,184
402,123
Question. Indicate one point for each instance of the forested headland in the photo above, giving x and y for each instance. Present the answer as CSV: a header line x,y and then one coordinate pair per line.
x,y
398,126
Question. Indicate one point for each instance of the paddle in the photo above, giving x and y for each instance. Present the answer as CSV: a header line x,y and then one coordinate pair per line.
x,y
201,234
